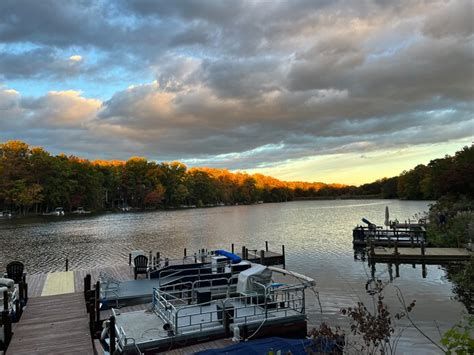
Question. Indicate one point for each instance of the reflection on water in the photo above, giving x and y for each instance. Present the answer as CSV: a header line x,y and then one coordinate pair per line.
x,y
317,236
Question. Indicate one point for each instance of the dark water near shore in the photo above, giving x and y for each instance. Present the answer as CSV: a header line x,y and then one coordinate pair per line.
x,y
317,236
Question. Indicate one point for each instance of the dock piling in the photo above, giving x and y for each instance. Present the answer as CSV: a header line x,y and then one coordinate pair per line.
x,y
87,285
184,252
266,245
112,335
130,259
232,248
67,264
283,256
262,257
97,303
423,248
243,252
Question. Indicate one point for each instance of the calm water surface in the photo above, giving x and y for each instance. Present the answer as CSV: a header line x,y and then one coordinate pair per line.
x,y
317,236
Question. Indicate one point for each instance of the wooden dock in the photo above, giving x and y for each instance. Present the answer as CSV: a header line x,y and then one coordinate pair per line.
x,y
419,255
53,325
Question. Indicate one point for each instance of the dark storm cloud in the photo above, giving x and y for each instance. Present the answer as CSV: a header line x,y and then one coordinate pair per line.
x,y
239,83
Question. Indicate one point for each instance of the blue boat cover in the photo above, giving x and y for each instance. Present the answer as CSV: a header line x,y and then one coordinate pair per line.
x,y
263,346
234,258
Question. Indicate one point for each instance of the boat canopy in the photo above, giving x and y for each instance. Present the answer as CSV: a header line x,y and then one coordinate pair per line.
x,y
234,258
247,278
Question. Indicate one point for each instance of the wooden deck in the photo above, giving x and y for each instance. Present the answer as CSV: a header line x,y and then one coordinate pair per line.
x,y
415,255
53,325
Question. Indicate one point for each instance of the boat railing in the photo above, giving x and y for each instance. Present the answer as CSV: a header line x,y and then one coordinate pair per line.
x,y
170,272
108,285
274,302
163,307
186,291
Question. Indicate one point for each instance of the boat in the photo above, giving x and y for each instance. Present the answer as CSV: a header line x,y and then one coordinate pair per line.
x,y
58,211
253,307
217,268
5,214
81,210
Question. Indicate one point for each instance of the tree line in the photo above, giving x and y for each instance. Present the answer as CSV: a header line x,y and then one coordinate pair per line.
x,y
33,180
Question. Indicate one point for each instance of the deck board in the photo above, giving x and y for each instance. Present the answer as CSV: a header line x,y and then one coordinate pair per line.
x,y
433,255
53,325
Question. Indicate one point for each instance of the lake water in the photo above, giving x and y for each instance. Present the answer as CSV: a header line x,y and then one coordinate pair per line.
x,y
317,236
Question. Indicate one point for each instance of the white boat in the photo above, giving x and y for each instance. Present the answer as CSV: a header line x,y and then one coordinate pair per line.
x,y
81,210
58,211
5,214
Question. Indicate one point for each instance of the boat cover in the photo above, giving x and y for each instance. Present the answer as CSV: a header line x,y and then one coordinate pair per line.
x,y
234,258
286,346
257,272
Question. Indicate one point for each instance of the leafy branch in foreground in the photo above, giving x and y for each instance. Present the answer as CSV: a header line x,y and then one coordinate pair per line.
x,y
459,339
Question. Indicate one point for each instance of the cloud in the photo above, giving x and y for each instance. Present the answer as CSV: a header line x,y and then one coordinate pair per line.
x,y
237,84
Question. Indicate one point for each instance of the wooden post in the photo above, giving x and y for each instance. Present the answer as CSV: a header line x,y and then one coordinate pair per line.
x,y
423,248
112,335
21,289
97,302
130,259
411,240
243,252
7,327
25,286
232,248
19,310
184,252
91,319
158,257
87,285
266,245
396,247
67,264
284,257
262,257
397,270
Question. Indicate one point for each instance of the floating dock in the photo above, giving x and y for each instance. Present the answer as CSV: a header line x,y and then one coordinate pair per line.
x,y
419,255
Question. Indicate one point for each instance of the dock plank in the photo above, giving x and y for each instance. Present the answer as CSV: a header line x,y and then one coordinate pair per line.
x,y
433,255
53,325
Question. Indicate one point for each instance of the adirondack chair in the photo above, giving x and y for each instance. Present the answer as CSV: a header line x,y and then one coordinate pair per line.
x,y
15,271
140,265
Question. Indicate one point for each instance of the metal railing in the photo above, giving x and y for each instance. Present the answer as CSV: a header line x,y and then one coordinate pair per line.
x,y
272,302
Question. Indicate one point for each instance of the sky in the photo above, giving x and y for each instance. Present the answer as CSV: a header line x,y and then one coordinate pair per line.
x,y
329,90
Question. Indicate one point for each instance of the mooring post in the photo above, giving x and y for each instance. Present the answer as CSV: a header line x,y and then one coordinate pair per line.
x,y
243,252
87,285
184,252
232,248
422,248
158,257
21,289
262,257
90,309
284,257
7,327
411,240
97,302
19,309
130,259
397,270
112,334
266,245
396,248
